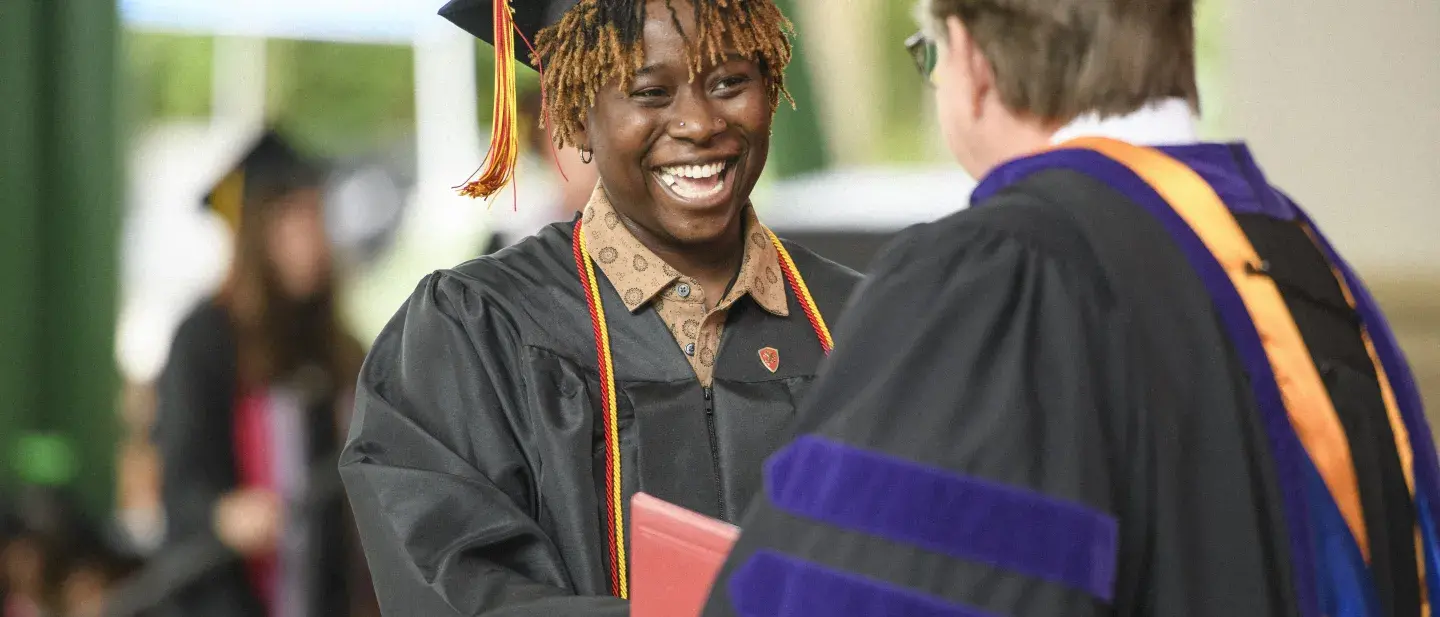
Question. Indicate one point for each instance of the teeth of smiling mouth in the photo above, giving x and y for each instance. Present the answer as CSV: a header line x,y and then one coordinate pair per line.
x,y
698,172
671,177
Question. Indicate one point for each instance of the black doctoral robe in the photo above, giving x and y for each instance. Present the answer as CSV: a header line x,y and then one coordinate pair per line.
x,y
1033,409
475,460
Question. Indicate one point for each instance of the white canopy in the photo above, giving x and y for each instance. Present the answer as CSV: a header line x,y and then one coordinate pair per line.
x,y
356,21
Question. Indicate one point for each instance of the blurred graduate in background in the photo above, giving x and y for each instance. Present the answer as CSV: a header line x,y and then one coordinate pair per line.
x,y
254,395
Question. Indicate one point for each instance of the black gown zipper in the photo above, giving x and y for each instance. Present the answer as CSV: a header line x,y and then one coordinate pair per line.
x,y
714,448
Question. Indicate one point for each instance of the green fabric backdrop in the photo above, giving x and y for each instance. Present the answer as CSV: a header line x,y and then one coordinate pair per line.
x,y
60,200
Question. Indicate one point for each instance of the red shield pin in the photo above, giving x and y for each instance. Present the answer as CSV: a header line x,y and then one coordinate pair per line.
x,y
770,358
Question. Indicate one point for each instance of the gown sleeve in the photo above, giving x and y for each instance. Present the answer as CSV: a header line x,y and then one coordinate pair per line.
x,y
440,488
953,459
193,406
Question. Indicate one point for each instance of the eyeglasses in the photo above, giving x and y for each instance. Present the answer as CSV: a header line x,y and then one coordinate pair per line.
x,y
923,51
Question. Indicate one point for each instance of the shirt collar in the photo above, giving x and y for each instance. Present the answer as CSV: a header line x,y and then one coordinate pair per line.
x,y
640,276
1165,122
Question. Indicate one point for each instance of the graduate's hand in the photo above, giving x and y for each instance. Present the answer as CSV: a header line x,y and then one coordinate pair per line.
x,y
248,521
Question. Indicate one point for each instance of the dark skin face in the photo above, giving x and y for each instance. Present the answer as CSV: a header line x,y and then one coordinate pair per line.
x,y
664,120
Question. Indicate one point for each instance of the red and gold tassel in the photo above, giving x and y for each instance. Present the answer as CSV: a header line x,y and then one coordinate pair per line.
x,y
498,169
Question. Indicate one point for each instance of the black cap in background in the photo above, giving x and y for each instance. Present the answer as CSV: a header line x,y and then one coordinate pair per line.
x,y
270,169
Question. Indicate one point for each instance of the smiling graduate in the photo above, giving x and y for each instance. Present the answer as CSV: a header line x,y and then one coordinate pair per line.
x,y
659,342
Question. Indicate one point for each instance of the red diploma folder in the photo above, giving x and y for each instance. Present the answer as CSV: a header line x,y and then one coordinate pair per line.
x,y
675,556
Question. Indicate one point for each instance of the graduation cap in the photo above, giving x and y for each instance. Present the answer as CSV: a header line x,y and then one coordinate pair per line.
x,y
529,17
269,169
496,22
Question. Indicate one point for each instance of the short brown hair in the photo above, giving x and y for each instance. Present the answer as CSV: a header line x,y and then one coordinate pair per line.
x,y
1059,59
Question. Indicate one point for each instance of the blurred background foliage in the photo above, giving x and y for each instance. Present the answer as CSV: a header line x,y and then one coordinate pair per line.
x,y
321,91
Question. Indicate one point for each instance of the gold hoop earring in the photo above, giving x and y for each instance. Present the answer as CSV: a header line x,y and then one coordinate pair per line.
x,y
586,155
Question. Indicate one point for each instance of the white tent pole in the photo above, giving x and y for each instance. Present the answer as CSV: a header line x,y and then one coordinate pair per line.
x,y
238,83
848,100
448,141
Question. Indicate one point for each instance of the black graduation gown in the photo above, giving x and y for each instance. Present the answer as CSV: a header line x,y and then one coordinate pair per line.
x,y
195,435
476,456
1033,410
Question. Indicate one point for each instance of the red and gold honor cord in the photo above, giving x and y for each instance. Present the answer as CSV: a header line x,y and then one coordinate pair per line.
x,y
619,583
807,303
615,524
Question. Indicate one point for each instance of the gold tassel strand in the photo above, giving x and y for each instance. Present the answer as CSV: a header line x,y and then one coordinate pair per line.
x,y
498,169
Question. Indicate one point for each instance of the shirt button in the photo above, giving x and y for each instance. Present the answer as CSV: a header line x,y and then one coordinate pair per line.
x,y
683,290
690,349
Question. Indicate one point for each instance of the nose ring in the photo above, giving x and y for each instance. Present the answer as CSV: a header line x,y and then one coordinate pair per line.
x,y
682,125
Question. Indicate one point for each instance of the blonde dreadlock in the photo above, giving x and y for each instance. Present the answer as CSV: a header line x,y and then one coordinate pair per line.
x,y
600,41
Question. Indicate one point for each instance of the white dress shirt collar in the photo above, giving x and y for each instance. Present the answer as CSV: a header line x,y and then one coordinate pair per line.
x,y
1165,122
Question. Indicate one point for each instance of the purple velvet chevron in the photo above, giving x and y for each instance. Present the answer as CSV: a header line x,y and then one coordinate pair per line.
x,y
773,585
968,518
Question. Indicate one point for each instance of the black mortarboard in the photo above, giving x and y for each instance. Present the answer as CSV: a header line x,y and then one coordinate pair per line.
x,y
531,16
269,169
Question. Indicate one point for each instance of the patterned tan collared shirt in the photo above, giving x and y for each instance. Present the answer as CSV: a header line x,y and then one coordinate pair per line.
x,y
643,279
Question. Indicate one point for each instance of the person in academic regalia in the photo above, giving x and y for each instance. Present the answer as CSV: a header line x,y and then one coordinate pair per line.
x,y
253,397
657,343
1132,379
